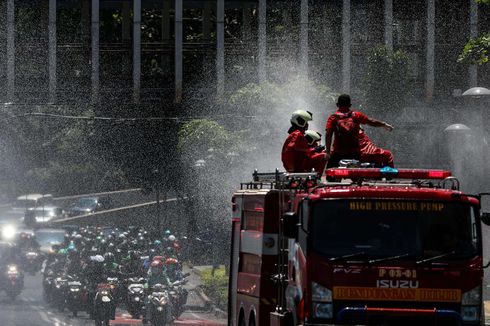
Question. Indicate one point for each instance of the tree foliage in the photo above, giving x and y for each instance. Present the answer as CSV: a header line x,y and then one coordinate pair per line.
x,y
205,139
476,50
386,82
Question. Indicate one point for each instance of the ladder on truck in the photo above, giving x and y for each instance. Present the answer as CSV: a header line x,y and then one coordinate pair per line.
x,y
285,182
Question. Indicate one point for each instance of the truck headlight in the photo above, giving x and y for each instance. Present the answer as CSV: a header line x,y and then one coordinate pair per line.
x,y
471,302
322,310
472,297
320,293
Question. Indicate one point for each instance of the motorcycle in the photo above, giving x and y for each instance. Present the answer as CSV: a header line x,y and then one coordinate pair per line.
x,y
135,296
178,295
31,262
104,305
160,306
48,285
59,292
75,297
14,282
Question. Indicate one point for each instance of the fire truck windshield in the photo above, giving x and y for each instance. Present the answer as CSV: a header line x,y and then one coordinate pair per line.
x,y
391,228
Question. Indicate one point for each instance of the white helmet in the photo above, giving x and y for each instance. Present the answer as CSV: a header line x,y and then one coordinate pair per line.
x,y
171,238
301,117
312,136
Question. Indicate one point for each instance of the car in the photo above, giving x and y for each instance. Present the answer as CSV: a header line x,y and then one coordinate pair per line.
x,y
88,205
16,213
49,237
42,214
29,201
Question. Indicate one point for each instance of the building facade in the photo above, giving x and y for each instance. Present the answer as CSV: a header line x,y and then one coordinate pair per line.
x,y
162,52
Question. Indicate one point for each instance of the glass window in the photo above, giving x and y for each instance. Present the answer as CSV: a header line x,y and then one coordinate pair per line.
x,y
385,228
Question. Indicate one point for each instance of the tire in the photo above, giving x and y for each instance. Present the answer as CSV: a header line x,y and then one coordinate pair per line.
x,y
252,321
241,320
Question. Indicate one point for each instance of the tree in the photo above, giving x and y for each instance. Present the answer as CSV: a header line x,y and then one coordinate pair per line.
x,y
386,82
476,50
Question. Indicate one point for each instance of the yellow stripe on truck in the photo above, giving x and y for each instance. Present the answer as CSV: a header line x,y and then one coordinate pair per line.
x,y
383,294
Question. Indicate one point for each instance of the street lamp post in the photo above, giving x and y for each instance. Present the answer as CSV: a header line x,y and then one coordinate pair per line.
x,y
479,95
457,136
156,178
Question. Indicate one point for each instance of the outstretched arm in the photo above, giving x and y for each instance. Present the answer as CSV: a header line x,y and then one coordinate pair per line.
x,y
377,123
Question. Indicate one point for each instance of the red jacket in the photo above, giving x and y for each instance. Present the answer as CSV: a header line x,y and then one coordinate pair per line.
x,y
295,151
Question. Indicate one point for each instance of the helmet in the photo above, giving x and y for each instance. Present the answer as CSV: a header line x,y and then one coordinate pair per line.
x,y
167,233
300,118
171,261
157,242
171,237
156,263
312,136
157,258
109,257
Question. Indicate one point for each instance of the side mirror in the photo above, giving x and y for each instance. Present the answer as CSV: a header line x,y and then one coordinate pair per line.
x,y
485,218
290,225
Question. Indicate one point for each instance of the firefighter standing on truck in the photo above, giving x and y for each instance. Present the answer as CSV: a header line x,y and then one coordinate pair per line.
x,y
344,127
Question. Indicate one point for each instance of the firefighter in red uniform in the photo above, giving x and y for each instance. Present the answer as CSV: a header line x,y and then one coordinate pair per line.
x,y
295,148
344,126
316,155
373,154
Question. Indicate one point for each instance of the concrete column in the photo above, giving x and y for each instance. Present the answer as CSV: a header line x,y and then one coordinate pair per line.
x,y
389,25
95,52
85,21
10,51
206,20
126,20
246,27
303,39
220,48
473,70
262,55
166,20
178,50
52,51
136,50
346,46
431,36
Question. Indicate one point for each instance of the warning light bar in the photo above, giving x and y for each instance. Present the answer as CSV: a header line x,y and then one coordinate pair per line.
x,y
386,172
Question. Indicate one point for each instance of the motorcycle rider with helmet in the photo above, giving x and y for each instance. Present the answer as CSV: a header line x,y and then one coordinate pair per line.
x,y
156,275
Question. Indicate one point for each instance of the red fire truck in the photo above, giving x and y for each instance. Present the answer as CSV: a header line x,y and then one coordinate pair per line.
x,y
374,246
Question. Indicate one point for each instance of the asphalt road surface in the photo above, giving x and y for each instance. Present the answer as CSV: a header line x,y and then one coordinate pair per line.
x,y
29,309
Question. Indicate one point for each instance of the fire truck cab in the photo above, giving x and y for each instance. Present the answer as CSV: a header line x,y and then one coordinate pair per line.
x,y
375,246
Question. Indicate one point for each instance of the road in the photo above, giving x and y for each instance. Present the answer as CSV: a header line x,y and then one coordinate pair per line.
x,y
30,309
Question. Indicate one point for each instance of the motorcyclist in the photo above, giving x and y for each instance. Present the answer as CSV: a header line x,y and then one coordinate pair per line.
x,y
156,275
72,266
111,268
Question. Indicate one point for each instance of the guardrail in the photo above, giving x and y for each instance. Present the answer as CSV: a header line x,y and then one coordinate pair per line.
x,y
138,214
119,198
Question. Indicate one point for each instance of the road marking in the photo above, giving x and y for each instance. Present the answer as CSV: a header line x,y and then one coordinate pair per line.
x,y
43,315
